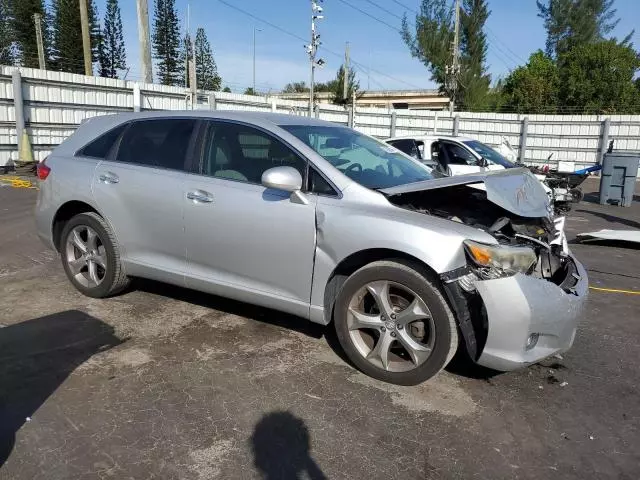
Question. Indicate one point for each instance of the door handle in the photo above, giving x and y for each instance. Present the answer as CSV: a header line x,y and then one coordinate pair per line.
x,y
109,177
200,196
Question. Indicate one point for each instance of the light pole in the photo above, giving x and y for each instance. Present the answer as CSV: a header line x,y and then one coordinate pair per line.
x,y
312,48
254,57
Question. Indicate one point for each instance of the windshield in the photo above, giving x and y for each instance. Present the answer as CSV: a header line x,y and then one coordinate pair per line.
x,y
369,162
489,154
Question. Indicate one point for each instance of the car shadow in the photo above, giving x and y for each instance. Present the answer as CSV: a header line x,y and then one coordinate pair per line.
x,y
281,447
226,305
460,365
247,310
36,356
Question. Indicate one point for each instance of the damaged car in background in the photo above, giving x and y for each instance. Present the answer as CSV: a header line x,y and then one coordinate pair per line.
x,y
323,222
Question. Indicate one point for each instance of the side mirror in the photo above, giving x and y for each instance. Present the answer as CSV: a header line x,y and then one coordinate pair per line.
x,y
483,162
287,179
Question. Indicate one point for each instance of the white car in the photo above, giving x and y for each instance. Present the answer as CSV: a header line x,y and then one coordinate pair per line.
x,y
451,155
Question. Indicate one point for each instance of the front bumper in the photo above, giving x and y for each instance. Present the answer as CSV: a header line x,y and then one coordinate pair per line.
x,y
520,306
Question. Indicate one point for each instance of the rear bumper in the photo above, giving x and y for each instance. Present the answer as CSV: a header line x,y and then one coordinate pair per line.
x,y
520,306
43,214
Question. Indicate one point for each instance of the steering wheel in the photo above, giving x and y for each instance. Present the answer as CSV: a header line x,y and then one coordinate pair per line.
x,y
354,167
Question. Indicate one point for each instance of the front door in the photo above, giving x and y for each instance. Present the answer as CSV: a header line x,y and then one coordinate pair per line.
x,y
458,159
244,240
141,193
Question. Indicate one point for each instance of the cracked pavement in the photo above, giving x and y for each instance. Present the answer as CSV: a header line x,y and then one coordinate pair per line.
x,y
163,382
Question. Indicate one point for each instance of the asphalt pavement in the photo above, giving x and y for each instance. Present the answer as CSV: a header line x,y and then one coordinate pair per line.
x,y
163,382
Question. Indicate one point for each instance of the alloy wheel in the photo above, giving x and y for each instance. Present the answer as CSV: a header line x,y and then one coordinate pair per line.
x,y
86,256
391,326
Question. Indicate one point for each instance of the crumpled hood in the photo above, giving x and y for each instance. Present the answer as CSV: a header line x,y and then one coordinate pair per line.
x,y
516,190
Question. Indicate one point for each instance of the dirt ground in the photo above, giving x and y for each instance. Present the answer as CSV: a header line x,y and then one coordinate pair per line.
x,y
163,382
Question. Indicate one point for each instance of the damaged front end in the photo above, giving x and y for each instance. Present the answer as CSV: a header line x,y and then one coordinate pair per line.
x,y
530,252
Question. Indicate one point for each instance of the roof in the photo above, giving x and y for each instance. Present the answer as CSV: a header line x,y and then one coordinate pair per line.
x,y
432,137
248,116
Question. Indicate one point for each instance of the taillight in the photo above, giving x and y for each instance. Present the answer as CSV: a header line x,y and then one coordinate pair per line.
x,y
43,170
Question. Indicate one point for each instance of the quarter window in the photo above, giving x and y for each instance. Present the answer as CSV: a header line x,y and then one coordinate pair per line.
x,y
243,153
317,184
157,143
101,146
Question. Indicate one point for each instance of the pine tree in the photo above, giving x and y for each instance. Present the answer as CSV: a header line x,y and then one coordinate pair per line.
x,y
570,23
206,68
68,54
474,77
112,52
166,43
186,53
7,48
431,43
24,30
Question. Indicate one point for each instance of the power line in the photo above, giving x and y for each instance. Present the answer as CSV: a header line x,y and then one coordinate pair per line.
x,y
405,7
384,9
497,38
364,12
339,55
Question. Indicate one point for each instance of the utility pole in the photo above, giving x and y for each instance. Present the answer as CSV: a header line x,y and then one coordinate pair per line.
x,y
86,41
453,70
254,57
312,49
37,19
143,39
345,80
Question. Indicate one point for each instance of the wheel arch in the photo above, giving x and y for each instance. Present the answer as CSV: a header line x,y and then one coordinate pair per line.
x,y
359,259
66,212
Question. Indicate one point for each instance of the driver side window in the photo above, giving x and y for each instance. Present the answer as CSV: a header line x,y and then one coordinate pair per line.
x,y
458,155
242,153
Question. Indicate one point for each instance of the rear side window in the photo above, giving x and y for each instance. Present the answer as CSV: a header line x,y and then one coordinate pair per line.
x,y
157,143
101,146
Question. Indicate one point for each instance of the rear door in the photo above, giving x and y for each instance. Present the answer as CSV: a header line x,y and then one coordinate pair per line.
x,y
140,189
244,240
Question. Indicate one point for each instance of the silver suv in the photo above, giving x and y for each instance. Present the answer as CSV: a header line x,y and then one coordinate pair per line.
x,y
320,221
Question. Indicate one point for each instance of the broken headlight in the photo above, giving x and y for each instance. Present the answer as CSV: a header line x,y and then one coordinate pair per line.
x,y
495,261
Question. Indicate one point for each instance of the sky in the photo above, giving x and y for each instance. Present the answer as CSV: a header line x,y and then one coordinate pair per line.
x,y
383,60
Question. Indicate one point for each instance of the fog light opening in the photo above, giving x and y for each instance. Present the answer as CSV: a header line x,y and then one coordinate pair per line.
x,y
532,341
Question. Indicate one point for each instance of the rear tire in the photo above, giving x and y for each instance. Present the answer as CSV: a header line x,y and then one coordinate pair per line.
x,y
90,256
407,340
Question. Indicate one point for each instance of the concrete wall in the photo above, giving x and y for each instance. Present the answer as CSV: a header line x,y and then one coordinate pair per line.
x,y
55,103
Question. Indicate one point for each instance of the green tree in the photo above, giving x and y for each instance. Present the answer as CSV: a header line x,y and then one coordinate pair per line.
x,y
598,78
67,53
250,91
23,30
295,87
7,48
474,78
166,43
431,40
226,90
570,23
186,53
336,87
532,88
112,50
206,69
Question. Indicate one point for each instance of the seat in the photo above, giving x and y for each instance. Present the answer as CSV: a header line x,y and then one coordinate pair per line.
x,y
221,161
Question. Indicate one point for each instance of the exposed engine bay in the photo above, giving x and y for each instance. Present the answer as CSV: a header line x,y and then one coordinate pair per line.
x,y
470,206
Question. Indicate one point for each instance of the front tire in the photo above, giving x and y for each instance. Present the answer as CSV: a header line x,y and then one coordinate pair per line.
x,y
90,256
394,324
